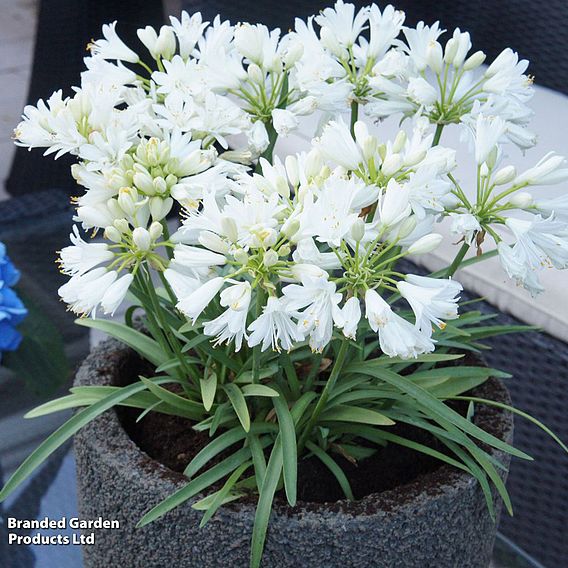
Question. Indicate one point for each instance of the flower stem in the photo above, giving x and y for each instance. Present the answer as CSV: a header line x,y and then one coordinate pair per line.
x,y
457,261
354,115
437,134
327,390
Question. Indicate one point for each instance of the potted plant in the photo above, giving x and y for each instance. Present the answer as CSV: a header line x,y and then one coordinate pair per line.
x,y
287,380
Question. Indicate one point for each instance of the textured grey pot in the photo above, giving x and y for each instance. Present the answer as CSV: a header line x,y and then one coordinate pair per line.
x,y
447,527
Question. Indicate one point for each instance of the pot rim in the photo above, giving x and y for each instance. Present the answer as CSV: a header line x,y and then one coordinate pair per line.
x,y
120,451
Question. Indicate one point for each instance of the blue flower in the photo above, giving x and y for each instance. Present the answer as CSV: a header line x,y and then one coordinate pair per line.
x,y
12,310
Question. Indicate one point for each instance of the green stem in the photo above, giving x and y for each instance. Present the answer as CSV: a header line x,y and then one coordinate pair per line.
x,y
354,115
327,390
256,348
457,261
437,134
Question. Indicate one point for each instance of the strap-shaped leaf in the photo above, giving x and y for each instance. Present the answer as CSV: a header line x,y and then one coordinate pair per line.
x,y
185,407
436,407
208,390
259,390
144,345
346,413
330,463
264,506
64,432
238,402
289,448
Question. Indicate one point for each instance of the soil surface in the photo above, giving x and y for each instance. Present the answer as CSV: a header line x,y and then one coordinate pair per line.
x,y
171,441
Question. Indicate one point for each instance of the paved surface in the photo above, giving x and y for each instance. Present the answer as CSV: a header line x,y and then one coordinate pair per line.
x,y
17,32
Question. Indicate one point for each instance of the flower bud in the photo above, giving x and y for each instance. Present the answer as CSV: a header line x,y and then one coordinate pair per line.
x,y
141,238
435,57
156,229
121,225
505,175
230,228
282,187
270,258
284,251
358,229
143,181
406,227
255,74
313,164
241,256
213,242
474,61
291,164
399,142
290,228
114,208
113,234
127,197
165,45
392,164
426,244
160,207
522,200
451,50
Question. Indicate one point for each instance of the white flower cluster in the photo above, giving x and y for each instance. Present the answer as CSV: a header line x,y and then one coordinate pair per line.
x,y
296,250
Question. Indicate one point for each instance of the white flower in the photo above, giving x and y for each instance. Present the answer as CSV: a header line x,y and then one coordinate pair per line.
x,y
425,244
192,305
116,293
397,337
274,328
488,131
540,242
431,299
420,91
318,299
342,22
516,268
183,281
195,257
231,324
548,171
348,317
337,144
258,44
188,31
465,225
258,138
82,256
506,73
557,207
284,121
384,28
419,40
84,292
112,47
394,204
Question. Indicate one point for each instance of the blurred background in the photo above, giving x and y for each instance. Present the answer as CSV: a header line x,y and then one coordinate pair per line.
x,y
42,45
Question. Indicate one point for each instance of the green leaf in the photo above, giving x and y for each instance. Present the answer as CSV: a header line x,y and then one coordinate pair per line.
x,y
264,373
346,413
258,458
195,486
238,402
437,408
185,407
221,443
259,390
289,448
223,493
519,413
330,463
264,506
208,390
63,433
144,345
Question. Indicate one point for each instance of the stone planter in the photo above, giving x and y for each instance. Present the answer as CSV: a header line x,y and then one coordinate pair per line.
x,y
445,527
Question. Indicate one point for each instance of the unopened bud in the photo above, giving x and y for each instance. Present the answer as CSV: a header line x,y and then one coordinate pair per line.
x,y
406,227
392,164
505,175
522,200
399,142
270,258
292,170
156,229
426,244
113,234
141,238
241,256
451,50
474,61
435,57
121,225
255,74
127,197
290,228
358,229
213,242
